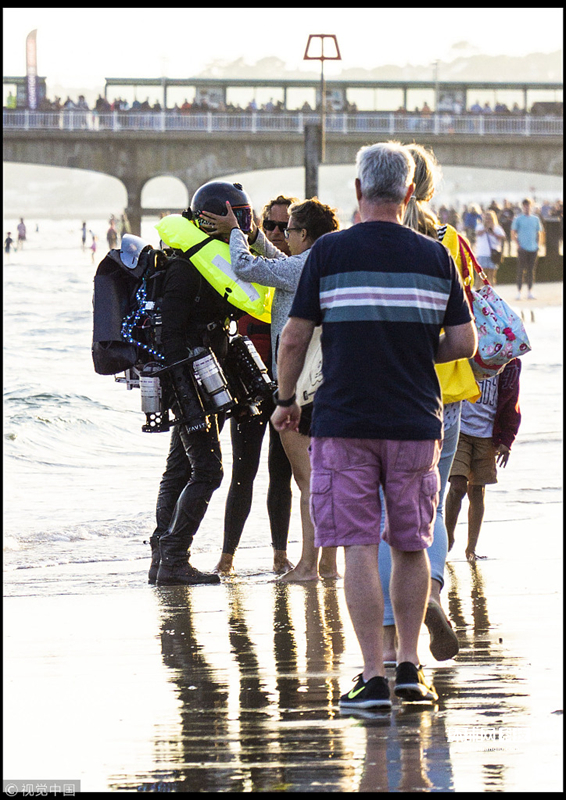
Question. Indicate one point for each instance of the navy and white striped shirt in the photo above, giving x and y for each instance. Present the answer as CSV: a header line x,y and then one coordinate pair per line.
x,y
382,293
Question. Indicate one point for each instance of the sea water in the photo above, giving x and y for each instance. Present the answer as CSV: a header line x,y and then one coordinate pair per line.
x,y
81,478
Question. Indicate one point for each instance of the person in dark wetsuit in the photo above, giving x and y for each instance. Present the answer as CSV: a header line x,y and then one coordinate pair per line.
x,y
193,315
247,436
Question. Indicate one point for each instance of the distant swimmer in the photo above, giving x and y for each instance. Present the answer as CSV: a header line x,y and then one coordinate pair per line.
x,y
93,246
112,234
21,233
8,242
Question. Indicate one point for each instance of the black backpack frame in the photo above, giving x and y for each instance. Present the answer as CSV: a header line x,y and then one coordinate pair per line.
x,y
122,296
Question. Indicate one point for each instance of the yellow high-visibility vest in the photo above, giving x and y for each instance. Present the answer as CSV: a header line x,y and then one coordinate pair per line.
x,y
212,259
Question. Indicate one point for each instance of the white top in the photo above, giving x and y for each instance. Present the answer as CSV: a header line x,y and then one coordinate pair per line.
x,y
483,247
477,418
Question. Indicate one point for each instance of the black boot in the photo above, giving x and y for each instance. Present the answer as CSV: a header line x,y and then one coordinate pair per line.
x,y
183,575
155,559
174,568
202,449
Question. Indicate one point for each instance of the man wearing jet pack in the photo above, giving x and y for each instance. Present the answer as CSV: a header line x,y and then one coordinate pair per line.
x,y
194,315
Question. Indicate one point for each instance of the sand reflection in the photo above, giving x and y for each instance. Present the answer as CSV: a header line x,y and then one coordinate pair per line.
x,y
258,668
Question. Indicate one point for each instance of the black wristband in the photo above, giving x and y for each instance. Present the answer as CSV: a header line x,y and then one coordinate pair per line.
x,y
283,403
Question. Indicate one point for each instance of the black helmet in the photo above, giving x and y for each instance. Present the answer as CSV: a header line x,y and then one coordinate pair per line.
x,y
212,197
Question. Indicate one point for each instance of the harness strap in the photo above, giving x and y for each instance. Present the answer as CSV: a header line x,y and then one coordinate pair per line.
x,y
195,248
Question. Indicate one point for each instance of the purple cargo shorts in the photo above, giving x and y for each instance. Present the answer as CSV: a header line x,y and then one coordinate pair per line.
x,y
345,501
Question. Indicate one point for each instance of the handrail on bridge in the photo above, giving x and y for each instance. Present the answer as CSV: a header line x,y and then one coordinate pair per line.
x,y
69,120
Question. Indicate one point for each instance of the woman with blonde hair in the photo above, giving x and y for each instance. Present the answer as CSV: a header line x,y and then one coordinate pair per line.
x,y
427,174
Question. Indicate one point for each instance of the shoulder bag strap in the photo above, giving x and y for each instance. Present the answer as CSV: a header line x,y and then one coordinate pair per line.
x,y
466,255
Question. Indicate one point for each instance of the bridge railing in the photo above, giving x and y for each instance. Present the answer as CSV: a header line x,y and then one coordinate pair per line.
x,y
284,122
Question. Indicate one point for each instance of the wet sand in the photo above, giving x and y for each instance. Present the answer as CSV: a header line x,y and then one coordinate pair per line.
x,y
235,688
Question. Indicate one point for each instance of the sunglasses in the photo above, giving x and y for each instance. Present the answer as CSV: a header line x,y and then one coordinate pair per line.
x,y
288,230
270,225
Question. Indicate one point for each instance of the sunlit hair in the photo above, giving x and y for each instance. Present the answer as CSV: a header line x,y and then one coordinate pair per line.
x,y
280,200
492,217
315,217
427,174
385,171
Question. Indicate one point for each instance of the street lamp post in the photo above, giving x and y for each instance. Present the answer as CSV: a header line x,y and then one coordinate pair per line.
x,y
322,58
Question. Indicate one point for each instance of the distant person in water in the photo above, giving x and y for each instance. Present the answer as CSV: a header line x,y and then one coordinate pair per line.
x,y
8,242
112,234
21,233
93,246
124,225
83,234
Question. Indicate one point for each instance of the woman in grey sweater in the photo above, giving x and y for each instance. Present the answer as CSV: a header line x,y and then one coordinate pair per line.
x,y
256,259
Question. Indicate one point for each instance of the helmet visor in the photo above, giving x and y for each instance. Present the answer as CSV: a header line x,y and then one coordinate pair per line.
x,y
244,216
131,249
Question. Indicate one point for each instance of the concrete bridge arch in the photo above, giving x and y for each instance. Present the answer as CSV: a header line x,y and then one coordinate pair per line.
x,y
177,190
197,157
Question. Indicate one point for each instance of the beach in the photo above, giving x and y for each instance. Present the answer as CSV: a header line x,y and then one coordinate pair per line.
x,y
235,687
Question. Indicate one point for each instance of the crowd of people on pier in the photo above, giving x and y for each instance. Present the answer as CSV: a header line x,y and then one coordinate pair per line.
x,y
203,104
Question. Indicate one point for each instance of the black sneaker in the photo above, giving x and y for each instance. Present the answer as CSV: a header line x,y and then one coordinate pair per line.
x,y
410,684
373,694
183,575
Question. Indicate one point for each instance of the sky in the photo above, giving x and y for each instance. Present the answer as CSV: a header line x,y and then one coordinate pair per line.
x,y
82,46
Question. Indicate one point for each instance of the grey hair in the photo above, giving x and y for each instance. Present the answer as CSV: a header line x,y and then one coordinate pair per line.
x,y
385,171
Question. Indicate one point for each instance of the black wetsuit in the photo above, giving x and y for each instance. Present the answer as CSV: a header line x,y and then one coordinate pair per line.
x,y
247,439
193,314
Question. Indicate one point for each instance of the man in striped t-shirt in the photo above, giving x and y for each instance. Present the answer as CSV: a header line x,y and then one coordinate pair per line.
x,y
382,293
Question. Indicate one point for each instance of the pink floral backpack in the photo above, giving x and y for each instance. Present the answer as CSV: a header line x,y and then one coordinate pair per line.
x,y
501,333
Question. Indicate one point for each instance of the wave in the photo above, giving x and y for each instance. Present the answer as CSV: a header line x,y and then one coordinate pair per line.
x,y
24,396
110,541
95,530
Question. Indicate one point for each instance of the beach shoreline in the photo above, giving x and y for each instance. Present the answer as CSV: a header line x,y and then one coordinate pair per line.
x,y
235,688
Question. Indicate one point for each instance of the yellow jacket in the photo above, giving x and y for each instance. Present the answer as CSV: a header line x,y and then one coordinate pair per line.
x,y
456,377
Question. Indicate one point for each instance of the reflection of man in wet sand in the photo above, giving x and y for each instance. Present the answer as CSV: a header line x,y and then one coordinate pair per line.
x,y
203,698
